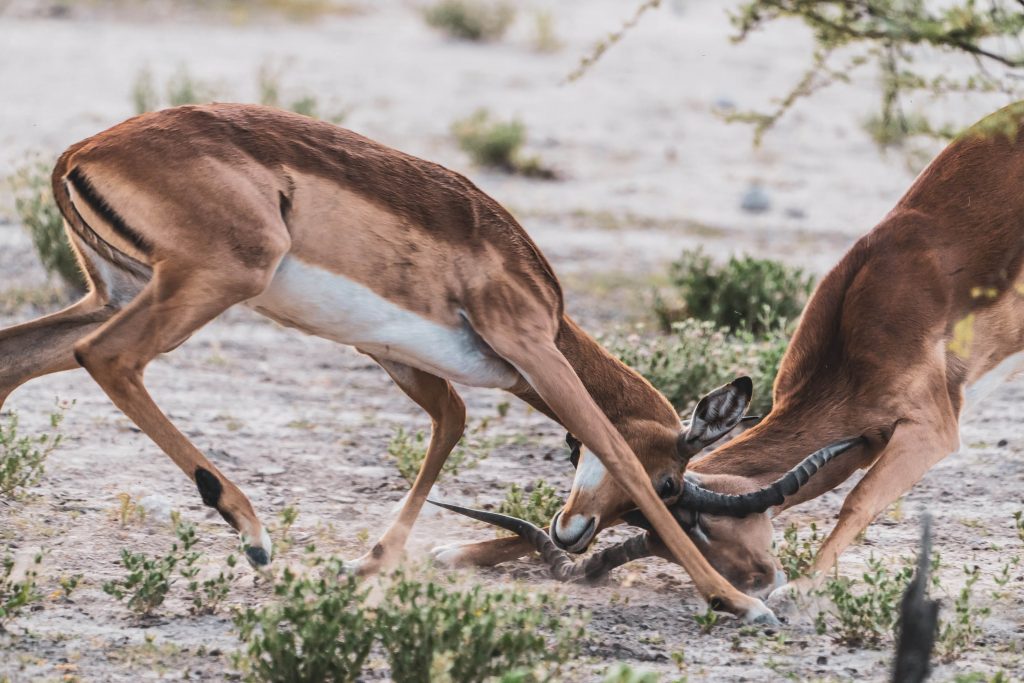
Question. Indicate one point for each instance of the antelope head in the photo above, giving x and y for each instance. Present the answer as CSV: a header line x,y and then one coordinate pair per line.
x,y
732,530
596,501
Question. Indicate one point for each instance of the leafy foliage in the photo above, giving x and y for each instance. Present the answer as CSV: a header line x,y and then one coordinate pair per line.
x,y
39,215
149,579
318,630
497,144
959,632
698,356
896,36
744,294
863,616
795,553
471,19
23,458
537,503
408,450
624,673
322,627
432,631
15,595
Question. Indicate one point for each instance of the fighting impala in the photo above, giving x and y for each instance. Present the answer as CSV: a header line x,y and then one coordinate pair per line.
x,y
920,320
180,214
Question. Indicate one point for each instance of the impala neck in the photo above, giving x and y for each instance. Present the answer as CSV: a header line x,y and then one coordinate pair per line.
x,y
643,416
781,441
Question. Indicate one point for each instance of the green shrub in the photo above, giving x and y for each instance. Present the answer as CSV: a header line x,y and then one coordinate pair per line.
x,y
182,88
624,673
746,293
23,459
39,215
16,595
863,616
471,19
318,630
149,579
536,506
797,554
408,450
958,633
699,356
497,144
432,631
270,88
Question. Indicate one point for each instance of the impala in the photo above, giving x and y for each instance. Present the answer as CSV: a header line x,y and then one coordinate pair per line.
x,y
921,319
180,214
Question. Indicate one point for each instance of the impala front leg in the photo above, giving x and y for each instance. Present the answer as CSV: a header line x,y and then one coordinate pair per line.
x,y
550,374
912,451
448,415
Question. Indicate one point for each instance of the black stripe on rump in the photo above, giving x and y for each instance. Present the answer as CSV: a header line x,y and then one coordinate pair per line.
x,y
99,205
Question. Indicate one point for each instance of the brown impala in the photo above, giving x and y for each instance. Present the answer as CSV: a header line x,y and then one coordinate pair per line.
x,y
920,320
178,215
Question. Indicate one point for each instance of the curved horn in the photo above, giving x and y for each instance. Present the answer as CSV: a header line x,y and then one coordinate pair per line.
x,y
560,563
696,497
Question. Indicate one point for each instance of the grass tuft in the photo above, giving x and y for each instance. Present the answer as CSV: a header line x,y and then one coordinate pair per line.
x,y
473,20
498,145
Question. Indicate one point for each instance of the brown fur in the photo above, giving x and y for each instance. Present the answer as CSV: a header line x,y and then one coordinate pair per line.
x,y
178,215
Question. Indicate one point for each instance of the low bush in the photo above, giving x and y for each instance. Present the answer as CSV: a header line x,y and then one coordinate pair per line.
x,y
322,627
796,552
16,594
537,503
434,631
475,20
23,458
319,629
37,210
746,294
497,144
408,450
696,357
864,611
149,579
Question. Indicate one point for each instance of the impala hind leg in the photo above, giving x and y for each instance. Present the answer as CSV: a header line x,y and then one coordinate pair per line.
x,y
169,309
448,415
912,451
47,345
538,359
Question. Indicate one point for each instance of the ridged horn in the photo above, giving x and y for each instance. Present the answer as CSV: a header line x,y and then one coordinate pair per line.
x,y
700,499
560,564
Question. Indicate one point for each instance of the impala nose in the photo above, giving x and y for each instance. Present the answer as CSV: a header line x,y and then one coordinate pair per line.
x,y
573,534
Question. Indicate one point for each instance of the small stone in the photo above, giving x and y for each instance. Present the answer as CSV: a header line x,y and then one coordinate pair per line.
x,y
822,660
1003,443
755,200
795,212
271,470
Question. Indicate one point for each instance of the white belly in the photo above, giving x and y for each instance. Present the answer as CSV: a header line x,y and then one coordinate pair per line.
x,y
327,305
993,379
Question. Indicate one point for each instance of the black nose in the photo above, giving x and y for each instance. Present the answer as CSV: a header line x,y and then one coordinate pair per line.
x,y
669,488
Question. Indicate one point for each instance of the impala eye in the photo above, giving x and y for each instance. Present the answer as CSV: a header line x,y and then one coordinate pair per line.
x,y
669,488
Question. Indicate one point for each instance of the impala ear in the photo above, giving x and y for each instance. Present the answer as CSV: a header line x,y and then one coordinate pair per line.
x,y
715,415
574,445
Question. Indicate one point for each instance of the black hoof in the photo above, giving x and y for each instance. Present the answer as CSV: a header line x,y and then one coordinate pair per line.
x,y
257,556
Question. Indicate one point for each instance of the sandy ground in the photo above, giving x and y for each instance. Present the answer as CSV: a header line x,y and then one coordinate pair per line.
x,y
297,420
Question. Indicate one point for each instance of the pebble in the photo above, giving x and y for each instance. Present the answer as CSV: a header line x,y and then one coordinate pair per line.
x,y
755,200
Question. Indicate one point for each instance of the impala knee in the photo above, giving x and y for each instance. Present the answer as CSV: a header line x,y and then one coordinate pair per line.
x,y
98,359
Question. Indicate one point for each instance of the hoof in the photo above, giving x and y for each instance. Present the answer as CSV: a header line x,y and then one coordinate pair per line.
x,y
258,553
760,614
787,600
374,562
448,556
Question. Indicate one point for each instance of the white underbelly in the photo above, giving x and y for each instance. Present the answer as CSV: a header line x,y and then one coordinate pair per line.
x,y
993,379
328,305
